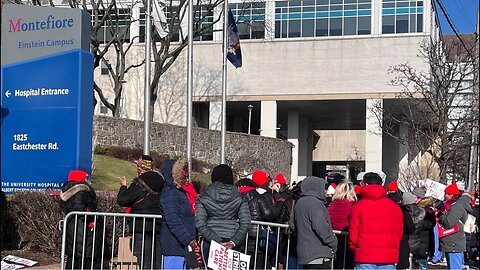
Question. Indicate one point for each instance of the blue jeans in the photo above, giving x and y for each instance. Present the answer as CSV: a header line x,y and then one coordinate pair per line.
x,y
174,262
423,263
454,260
437,256
359,266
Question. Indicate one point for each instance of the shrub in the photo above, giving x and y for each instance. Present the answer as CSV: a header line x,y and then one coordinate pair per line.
x,y
36,217
100,150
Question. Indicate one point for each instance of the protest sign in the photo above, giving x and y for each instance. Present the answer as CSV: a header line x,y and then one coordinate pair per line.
x,y
220,258
435,189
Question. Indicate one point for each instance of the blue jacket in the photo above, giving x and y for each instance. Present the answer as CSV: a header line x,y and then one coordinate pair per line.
x,y
179,227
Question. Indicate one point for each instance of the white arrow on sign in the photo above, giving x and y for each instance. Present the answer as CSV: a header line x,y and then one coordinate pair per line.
x,y
7,93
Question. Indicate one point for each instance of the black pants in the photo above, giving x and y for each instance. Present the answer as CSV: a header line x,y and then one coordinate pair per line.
x,y
146,247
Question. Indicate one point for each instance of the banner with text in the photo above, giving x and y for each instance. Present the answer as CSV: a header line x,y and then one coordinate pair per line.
x,y
46,96
220,258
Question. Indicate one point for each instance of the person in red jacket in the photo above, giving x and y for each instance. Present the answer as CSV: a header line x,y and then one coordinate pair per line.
x,y
375,227
339,212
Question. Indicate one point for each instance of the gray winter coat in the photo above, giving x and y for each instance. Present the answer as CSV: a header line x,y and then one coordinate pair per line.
x,y
311,223
222,214
457,214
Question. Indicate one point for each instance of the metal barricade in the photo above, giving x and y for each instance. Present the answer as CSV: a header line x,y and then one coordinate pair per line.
x,y
116,240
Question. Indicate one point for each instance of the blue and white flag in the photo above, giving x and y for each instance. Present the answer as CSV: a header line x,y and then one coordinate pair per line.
x,y
234,54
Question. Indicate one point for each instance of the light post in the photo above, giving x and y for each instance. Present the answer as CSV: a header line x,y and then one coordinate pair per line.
x,y
250,107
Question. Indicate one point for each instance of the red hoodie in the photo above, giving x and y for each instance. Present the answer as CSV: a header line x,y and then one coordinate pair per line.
x,y
376,227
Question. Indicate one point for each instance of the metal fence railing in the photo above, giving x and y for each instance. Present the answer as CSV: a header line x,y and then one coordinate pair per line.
x,y
96,240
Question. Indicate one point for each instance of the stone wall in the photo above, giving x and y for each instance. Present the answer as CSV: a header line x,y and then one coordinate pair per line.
x,y
245,153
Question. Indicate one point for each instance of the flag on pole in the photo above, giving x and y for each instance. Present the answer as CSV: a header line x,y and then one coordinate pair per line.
x,y
234,54
159,18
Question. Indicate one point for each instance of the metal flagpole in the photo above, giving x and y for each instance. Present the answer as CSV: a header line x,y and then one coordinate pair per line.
x,y
224,81
190,84
146,104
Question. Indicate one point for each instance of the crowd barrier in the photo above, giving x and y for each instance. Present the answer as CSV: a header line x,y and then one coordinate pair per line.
x,y
115,242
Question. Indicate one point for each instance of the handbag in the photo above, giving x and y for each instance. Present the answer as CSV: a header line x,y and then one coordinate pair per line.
x,y
265,233
442,232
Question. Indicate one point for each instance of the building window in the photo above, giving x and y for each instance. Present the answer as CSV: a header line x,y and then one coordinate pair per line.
x,y
104,68
203,16
316,18
171,12
250,18
115,25
400,16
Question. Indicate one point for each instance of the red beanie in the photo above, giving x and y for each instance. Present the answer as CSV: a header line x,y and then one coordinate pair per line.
x,y
77,176
392,186
452,189
260,177
280,179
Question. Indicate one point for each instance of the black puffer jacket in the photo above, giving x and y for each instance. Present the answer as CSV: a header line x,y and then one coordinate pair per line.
x,y
408,228
79,197
421,239
222,214
143,196
456,215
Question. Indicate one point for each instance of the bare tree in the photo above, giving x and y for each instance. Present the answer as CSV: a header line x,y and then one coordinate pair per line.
x,y
436,106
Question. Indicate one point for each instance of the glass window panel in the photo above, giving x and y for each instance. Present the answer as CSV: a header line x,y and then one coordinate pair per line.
x,y
388,5
295,9
413,3
284,29
350,26
333,2
336,7
322,27
243,30
281,3
322,2
364,1
350,1
402,4
294,28
350,7
420,3
388,24
335,26
364,6
258,30
277,29
309,3
402,24
295,3
308,28
364,25
413,25
309,9
420,23
322,8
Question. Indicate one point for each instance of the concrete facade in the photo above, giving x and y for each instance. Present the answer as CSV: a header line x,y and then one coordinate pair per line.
x,y
299,85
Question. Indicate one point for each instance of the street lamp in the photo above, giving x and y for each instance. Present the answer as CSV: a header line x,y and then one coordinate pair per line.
x,y
250,107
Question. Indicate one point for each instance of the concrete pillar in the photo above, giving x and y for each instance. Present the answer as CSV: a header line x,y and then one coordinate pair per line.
x,y
376,18
373,137
268,119
293,137
215,117
305,148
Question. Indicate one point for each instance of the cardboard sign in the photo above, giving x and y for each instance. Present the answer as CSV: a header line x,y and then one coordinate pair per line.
x,y
19,260
220,258
435,189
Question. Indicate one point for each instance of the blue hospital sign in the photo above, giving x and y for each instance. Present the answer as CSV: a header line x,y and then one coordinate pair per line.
x,y
46,96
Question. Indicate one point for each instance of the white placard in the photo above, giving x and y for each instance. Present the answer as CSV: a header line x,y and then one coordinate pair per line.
x,y
435,189
18,260
220,258
10,266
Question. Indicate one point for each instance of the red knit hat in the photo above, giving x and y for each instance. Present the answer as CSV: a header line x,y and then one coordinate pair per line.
x,y
260,177
280,179
77,176
392,186
452,189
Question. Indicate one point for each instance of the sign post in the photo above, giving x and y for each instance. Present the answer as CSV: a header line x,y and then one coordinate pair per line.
x,y
46,96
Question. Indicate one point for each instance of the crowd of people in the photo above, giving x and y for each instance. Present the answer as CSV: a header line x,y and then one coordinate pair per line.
x,y
377,226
